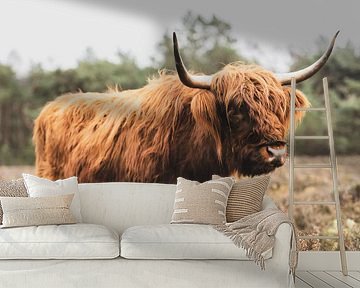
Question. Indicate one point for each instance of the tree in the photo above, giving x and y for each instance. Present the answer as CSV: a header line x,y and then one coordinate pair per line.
x,y
206,45
15,127
343,73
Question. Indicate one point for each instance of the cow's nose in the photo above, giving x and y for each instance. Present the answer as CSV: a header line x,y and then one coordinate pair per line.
x,y
276,155
276,152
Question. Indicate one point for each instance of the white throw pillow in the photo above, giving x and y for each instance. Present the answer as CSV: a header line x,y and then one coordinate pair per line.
x,y
41,187
71,241
180,241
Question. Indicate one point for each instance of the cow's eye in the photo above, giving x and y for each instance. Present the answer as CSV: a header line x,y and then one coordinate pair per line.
x,y
237,119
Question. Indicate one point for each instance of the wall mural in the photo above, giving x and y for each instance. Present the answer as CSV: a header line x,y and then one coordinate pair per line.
x,y
234,121
225,116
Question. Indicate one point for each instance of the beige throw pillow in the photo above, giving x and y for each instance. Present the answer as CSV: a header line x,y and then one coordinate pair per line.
x,y
12,188
28,211
246,197
202,203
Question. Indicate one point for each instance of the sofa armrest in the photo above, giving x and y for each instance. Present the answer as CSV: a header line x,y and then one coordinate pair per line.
x,y
279,263
281,250
282,237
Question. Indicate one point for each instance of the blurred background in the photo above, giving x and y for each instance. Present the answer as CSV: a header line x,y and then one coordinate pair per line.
x,y
49,48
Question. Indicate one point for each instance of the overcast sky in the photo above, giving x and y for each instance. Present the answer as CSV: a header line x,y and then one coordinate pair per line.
x,y
57,32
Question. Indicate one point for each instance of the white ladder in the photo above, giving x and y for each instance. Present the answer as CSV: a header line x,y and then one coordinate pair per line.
x,y
332,165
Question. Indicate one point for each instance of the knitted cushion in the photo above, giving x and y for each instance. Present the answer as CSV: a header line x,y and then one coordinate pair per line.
x,y
30,211
11,188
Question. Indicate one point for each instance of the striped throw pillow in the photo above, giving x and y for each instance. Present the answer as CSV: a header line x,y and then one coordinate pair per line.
x,y
246,197
201,203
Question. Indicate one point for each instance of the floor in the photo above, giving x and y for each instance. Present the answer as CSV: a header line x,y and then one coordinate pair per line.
x,y
327,279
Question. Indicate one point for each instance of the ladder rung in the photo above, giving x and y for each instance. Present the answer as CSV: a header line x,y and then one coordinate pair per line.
x,y
310,109
312,137
314,203
318,237
312,166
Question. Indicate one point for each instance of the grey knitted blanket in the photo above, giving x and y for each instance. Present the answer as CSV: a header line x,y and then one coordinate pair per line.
x,y
256,234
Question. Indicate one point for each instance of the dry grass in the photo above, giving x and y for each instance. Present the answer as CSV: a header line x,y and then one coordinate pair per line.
x,y
13,172
316,184
310,184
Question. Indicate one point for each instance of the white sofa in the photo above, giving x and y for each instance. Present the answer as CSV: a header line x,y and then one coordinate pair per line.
x,y
119,206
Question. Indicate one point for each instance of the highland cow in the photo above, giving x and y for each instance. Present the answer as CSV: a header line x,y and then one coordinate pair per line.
x,y
193,126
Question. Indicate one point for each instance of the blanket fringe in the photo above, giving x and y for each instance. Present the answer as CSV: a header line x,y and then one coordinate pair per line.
x,y
256,234
240,243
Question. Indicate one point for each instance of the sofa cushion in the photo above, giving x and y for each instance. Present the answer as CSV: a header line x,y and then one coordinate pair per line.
x,y
41,187
73,241
201,203
12,188
246,196
181,241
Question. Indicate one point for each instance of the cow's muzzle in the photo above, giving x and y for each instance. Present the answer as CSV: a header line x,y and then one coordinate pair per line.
x,y
276,153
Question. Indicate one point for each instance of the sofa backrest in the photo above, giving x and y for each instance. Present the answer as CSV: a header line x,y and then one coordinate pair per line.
x,y
119,205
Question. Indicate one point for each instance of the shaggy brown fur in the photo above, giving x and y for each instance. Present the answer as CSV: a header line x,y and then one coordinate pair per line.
x,y
165,129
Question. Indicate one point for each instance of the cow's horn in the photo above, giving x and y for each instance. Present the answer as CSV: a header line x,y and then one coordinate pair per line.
x,y
303,74
192,81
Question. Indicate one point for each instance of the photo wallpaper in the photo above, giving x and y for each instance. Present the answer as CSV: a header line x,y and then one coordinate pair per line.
x,y
95,89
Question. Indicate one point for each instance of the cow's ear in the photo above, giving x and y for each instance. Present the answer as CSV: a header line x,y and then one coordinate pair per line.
x,y
204,111
300,102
